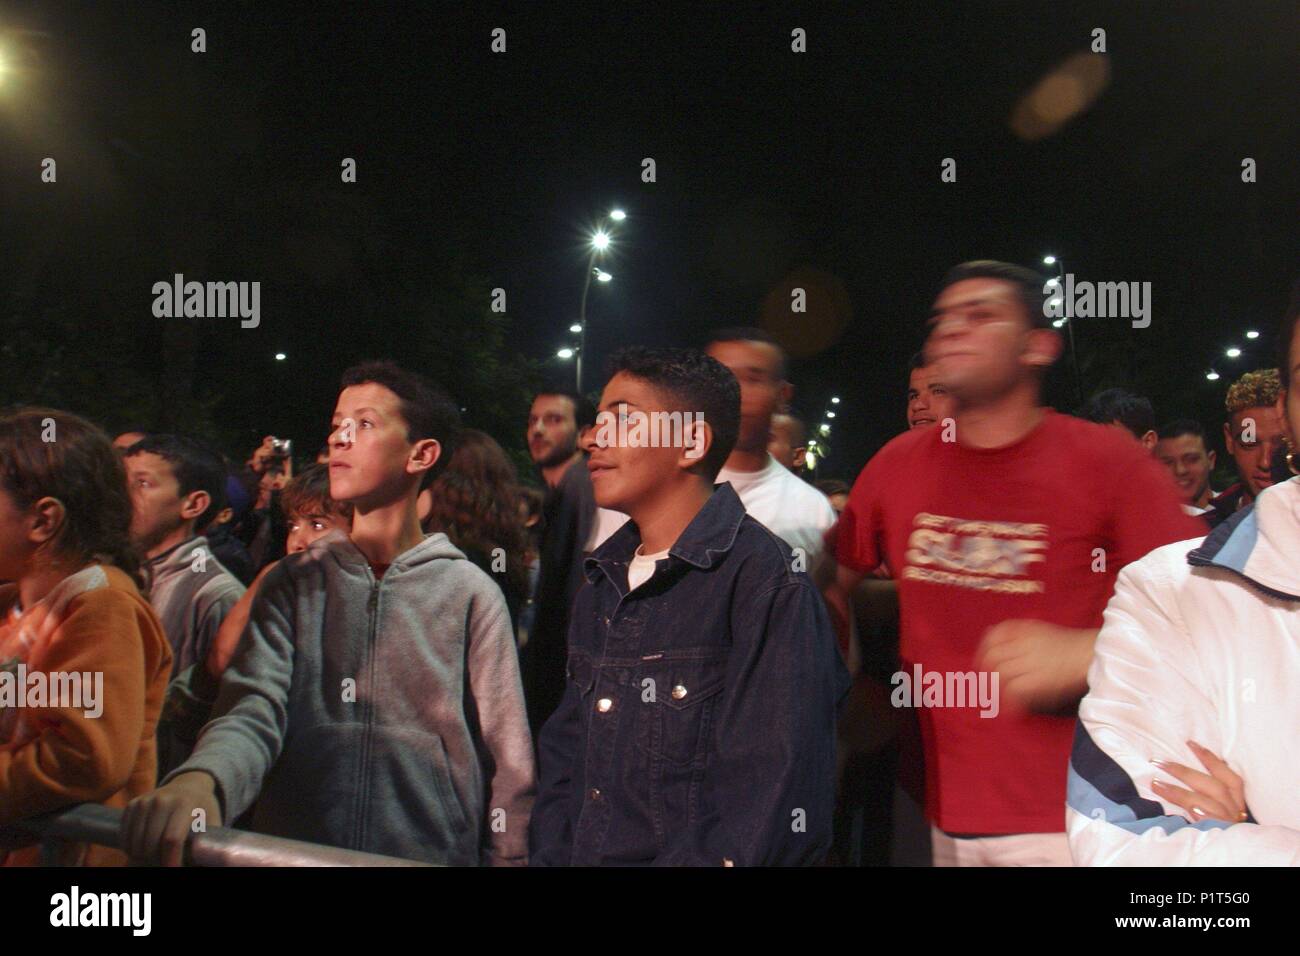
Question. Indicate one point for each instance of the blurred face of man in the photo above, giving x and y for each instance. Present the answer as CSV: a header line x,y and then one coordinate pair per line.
x,y
1253,436
1190,464
785,442
158,509
757,367
304,529
371,457
981,343
928,401
552,430
631,477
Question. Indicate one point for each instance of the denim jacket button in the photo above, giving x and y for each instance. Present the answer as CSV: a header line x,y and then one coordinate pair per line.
x,y
679,692
604,705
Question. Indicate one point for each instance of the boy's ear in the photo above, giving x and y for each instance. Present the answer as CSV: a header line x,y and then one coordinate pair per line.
x,y
697,439
194,504
424,455
45,519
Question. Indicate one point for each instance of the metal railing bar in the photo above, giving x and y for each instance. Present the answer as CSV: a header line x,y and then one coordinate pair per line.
x,y
218,846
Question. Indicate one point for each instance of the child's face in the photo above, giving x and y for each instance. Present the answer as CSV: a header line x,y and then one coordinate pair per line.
x,y
15,545
304,529
156,502
371,458
626,478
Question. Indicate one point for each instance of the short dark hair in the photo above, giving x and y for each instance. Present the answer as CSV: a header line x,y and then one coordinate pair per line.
x,y
751,333
196,466
308,492
584,409
695,382
831,486
1120,405
82,470
1028,284
1182,426
427,410
916,361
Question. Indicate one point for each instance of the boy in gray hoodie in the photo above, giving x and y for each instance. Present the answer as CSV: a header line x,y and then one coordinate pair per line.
x,y
374,702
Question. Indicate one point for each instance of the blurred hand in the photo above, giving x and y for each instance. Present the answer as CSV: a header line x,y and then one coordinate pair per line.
x,y
1041,667
157,826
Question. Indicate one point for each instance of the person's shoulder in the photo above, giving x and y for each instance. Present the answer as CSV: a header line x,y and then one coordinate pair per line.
x,y
767,560
1167,563
106,591
907,445
1107,443
803,494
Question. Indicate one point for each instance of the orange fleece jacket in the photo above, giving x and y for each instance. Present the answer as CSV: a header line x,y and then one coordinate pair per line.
x,y
54,757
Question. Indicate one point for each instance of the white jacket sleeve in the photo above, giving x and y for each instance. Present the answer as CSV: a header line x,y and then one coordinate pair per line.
x,y
1147,696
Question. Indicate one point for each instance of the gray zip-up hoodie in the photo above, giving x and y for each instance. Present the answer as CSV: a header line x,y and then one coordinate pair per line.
x,y
385,716
192,593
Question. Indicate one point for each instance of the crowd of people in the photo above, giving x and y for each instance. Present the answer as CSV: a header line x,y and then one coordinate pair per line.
x,y
1019,637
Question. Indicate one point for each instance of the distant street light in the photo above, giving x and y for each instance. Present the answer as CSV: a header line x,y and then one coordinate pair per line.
x,y
575,327
835,400
1233,352
600,241
602,276
1212,375
1252,334
565,353
280,356
1049,260
617,215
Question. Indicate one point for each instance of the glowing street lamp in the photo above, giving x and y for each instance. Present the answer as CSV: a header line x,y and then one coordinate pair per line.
x,y
600,241
565,353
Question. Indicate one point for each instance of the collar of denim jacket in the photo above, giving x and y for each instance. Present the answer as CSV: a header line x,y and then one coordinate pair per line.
x,y
711,533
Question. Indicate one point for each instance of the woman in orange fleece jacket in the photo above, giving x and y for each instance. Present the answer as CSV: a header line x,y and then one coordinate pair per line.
x,y
83,660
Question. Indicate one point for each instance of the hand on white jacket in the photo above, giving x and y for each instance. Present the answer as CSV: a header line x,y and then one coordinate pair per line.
x,y
1217,795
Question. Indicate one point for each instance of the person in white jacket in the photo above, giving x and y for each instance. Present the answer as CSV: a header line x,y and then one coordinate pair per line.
x,y
1187,751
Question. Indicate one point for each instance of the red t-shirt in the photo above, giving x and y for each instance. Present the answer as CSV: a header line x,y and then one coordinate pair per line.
x,y
978,536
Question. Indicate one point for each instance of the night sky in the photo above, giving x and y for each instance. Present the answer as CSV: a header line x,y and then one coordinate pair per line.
x,y
826,165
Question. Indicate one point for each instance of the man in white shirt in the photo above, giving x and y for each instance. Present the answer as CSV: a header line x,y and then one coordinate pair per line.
x,y
794,510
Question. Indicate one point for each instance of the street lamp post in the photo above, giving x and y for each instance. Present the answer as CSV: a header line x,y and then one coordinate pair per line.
x,y
599,243
582,314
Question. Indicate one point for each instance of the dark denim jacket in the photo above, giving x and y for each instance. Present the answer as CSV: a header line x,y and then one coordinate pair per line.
x,y
698,722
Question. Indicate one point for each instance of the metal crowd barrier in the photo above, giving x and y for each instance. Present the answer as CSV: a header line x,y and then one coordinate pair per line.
x,y
218,846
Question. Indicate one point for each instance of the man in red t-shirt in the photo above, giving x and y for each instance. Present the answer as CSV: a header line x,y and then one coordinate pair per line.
x,y
1005,529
